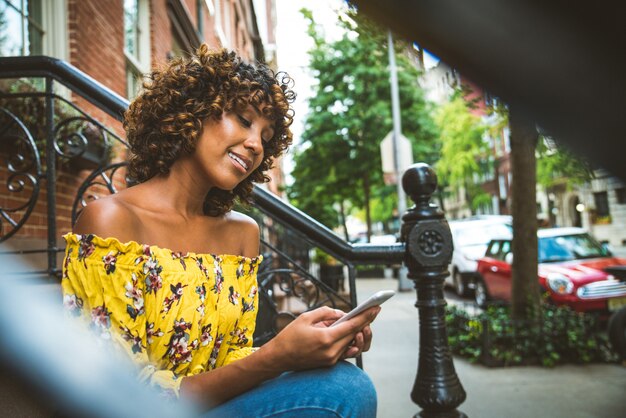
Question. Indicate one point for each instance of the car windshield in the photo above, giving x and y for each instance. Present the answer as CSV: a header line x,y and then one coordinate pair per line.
x,y
480,234
569,247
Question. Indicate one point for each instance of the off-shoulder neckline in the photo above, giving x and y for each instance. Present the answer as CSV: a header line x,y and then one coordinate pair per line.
x,y
134,246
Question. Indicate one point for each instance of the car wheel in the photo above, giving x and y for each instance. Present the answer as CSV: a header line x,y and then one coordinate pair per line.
x,y
481,296
460,287
617,332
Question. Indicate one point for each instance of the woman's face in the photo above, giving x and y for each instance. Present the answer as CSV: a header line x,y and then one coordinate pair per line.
x,y
231,148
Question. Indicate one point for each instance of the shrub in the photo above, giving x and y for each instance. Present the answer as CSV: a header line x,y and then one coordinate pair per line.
x,y
561,336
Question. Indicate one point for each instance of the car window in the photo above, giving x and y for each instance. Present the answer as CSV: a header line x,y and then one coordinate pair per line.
x,y
505,248
569,247
493,249
480,234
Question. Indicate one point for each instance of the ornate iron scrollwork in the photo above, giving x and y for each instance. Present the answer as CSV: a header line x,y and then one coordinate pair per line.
x,y
23,171
103,180
287,289
79,135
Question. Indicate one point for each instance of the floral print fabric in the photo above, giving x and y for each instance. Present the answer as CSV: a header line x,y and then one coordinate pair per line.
x,y
174,314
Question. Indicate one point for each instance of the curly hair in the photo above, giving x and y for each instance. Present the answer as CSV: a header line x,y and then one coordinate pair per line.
x,y
165,121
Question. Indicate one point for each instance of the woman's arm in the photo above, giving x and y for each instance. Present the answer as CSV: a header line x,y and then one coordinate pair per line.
x,y
305,343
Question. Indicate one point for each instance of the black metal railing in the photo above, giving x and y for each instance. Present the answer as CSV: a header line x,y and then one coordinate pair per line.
x,y
62,135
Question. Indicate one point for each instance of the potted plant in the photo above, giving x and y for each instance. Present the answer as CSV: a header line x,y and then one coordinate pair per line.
x,y
331,271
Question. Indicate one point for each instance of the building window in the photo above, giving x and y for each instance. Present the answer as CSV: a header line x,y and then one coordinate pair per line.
x,y
502,187
602,214
21,28
620,195
185,37
136,44
221,17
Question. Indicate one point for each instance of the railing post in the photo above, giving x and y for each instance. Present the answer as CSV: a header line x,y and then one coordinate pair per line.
x,y
51,175
437,389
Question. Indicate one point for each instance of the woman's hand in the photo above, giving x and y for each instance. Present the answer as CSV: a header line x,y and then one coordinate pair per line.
x,y
309,341
361,343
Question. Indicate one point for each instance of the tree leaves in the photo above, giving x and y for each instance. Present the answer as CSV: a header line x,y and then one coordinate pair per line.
x,y
339,159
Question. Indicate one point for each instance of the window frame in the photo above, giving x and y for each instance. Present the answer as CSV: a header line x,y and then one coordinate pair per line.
x,y
137,66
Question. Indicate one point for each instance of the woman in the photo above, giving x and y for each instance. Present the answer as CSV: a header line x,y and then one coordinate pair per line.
x,y
167,269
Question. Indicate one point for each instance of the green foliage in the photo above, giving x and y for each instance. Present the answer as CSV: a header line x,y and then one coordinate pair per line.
x,y
555,162
322,257
383,204
338,158
561,336
464,151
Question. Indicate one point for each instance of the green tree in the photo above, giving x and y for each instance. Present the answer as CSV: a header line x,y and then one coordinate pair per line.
x,y
555,163
464,151
338,161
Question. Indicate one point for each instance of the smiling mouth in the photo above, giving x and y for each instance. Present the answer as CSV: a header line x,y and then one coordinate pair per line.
x,y
244,164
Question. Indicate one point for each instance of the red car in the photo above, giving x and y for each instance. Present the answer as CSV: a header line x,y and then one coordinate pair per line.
x,y
571,269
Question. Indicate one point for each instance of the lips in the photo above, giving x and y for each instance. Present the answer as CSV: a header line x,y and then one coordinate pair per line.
x,y
240,161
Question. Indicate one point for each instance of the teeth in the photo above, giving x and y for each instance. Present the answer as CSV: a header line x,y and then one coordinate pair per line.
x,y
239,160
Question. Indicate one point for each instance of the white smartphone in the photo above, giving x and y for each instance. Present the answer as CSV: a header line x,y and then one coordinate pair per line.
x,y
374,300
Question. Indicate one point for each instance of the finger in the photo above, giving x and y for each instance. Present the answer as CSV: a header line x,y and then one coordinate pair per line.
x,y
322,314
350,353
359,341
355,347
350,327
367,338
329,322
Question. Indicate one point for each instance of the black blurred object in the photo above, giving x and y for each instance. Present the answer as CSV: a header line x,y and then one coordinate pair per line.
x,y
332,276
560,62
616,330
618,271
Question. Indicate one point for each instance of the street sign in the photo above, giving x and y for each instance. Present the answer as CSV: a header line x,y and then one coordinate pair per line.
x,y
388,157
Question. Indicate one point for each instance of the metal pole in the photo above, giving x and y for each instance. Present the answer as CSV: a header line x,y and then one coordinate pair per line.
x,y
51,174
397,124
437,389
403,282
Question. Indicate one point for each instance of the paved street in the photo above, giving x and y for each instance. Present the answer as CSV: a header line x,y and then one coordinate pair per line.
x,y
592,391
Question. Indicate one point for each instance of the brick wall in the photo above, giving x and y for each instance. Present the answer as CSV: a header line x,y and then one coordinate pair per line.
x,y
96,39
160,32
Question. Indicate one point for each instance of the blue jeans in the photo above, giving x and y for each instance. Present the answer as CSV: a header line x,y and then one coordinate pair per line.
x,y
343,391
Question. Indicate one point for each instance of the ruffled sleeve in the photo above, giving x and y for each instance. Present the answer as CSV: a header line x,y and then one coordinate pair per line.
x,y
109,297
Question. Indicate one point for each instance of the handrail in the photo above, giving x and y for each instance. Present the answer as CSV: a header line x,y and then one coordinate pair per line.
x,y
65,73
115,105
323,236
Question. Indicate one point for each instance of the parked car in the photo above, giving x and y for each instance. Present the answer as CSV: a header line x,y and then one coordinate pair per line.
x,y
470,238
574,269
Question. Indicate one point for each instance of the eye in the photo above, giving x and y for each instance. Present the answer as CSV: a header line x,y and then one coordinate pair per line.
x,y
245,122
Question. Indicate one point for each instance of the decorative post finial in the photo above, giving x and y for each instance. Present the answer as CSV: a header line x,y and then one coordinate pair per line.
x,y
419,182
437,389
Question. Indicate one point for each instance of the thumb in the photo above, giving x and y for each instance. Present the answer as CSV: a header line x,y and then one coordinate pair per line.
x,y
323,314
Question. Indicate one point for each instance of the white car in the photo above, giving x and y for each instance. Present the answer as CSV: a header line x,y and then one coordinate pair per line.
x,y
470,238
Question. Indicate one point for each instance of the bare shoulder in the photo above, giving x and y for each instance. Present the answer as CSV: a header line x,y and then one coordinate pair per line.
x,y
247,231
109,216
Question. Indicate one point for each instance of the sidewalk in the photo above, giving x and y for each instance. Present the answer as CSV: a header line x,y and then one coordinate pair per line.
x,y
591,391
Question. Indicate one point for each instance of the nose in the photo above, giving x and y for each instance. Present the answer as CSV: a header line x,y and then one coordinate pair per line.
x,y
254,143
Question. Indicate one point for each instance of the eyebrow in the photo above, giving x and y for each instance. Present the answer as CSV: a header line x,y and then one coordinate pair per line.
x,y
258,112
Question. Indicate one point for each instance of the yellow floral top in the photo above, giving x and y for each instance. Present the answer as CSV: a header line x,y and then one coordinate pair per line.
x,y
174,314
